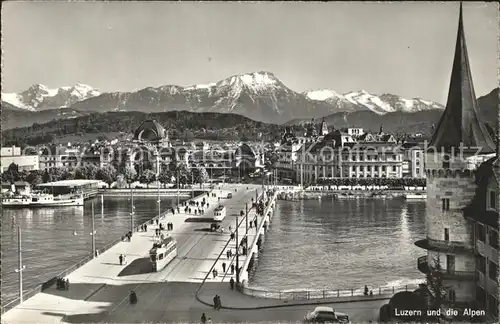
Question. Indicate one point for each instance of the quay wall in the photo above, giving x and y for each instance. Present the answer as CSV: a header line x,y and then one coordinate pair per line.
x,y
49,283
150,192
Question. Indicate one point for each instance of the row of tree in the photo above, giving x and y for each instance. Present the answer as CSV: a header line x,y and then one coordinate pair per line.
x,y
124,175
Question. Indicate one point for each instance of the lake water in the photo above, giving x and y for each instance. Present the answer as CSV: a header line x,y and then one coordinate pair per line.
x,y
49,245
341,244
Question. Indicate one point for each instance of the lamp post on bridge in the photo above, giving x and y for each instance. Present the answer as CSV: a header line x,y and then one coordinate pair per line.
x,y
132,210
92,233
20,264
237,254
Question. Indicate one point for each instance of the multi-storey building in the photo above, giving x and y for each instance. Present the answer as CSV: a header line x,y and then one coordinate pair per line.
x,y
372,160
450,163
413,159
9,155
483,213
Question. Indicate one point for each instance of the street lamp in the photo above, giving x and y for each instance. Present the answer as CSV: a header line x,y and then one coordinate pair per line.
x,y
20,264
132,210
92,233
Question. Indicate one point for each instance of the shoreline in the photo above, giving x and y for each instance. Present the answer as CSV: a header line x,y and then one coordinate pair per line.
x,y
351,194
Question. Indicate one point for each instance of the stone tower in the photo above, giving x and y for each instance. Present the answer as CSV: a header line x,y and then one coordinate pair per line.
x,y
451,159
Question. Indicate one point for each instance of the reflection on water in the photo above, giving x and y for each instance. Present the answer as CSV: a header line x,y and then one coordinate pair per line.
x,y
327,244
49,243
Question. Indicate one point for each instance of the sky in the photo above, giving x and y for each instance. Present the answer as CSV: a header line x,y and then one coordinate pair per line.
x,y
400,48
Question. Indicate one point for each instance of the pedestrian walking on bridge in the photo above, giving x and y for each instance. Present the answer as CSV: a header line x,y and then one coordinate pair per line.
x,y
121,259
203,318
224,267
231,283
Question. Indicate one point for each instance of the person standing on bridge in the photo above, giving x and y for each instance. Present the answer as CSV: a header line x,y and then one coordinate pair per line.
x,y
214,273
121,259
231,283
203,318
224,267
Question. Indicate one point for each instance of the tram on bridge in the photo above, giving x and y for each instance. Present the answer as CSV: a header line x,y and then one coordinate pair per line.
x,y
162,253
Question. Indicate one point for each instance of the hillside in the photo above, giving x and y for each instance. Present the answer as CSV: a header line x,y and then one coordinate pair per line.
x,y
179,124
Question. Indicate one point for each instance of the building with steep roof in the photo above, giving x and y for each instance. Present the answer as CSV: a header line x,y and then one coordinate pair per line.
x,y
451,162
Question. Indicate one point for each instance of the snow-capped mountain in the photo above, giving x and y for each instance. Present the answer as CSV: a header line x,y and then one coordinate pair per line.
x,y
259,95
362,100
39,97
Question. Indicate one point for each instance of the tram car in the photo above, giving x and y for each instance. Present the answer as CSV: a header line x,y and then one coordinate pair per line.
x,y
219,215
163,253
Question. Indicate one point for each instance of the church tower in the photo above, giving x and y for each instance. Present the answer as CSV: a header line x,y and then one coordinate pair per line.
x,y
451,160
323,128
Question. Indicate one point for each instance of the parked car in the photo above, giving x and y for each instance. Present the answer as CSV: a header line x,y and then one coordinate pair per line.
x,y
323,314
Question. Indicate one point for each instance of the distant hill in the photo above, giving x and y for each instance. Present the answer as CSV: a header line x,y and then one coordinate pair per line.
x,y
179,124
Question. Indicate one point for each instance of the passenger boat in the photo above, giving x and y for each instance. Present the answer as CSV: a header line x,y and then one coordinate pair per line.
x,y
415,196
162,253
34,200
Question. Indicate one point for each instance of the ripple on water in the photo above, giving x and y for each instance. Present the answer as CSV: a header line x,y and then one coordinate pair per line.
x,y
331,244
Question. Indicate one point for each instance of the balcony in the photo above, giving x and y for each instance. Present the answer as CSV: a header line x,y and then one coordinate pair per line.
x,y
424,267
444,246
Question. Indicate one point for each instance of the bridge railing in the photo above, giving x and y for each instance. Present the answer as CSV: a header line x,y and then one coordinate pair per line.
x,y
326,293
256,237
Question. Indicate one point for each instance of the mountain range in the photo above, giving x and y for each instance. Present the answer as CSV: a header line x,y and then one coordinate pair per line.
x,y
260,96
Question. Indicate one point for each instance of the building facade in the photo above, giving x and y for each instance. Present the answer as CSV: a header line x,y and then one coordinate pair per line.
x,y
14,155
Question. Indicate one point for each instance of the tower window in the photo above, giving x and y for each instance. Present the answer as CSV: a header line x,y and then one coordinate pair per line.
x,y
445,204
493,200
446,234
446,162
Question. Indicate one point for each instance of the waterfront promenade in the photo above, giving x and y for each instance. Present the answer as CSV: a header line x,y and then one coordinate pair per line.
x,y
99,289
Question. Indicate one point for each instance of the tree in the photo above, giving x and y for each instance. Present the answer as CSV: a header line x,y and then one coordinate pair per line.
x,y
165,176
12,173
67,174
201,175
106,174
80,173
34,178
90,171
47,176
56,174
183,174
130,174
147,177
435,283
121,182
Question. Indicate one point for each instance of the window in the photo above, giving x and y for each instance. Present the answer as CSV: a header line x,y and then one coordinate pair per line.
x,y
492,305
383,168
493,238
493,271
368,168
361,168
493,200
160,257
481,263
446,234
480,233
394,168
480,296
446,162
445,204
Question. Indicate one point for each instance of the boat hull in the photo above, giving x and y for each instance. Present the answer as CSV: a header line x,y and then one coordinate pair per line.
x,y
59,203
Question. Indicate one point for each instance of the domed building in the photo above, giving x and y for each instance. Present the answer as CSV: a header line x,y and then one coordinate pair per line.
x,y
153,133
153,147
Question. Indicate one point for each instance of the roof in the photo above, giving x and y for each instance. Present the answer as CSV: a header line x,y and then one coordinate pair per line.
x,y
460,122
324,309
69,183
150,130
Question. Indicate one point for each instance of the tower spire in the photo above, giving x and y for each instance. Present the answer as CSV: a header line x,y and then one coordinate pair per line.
x,y
460,122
